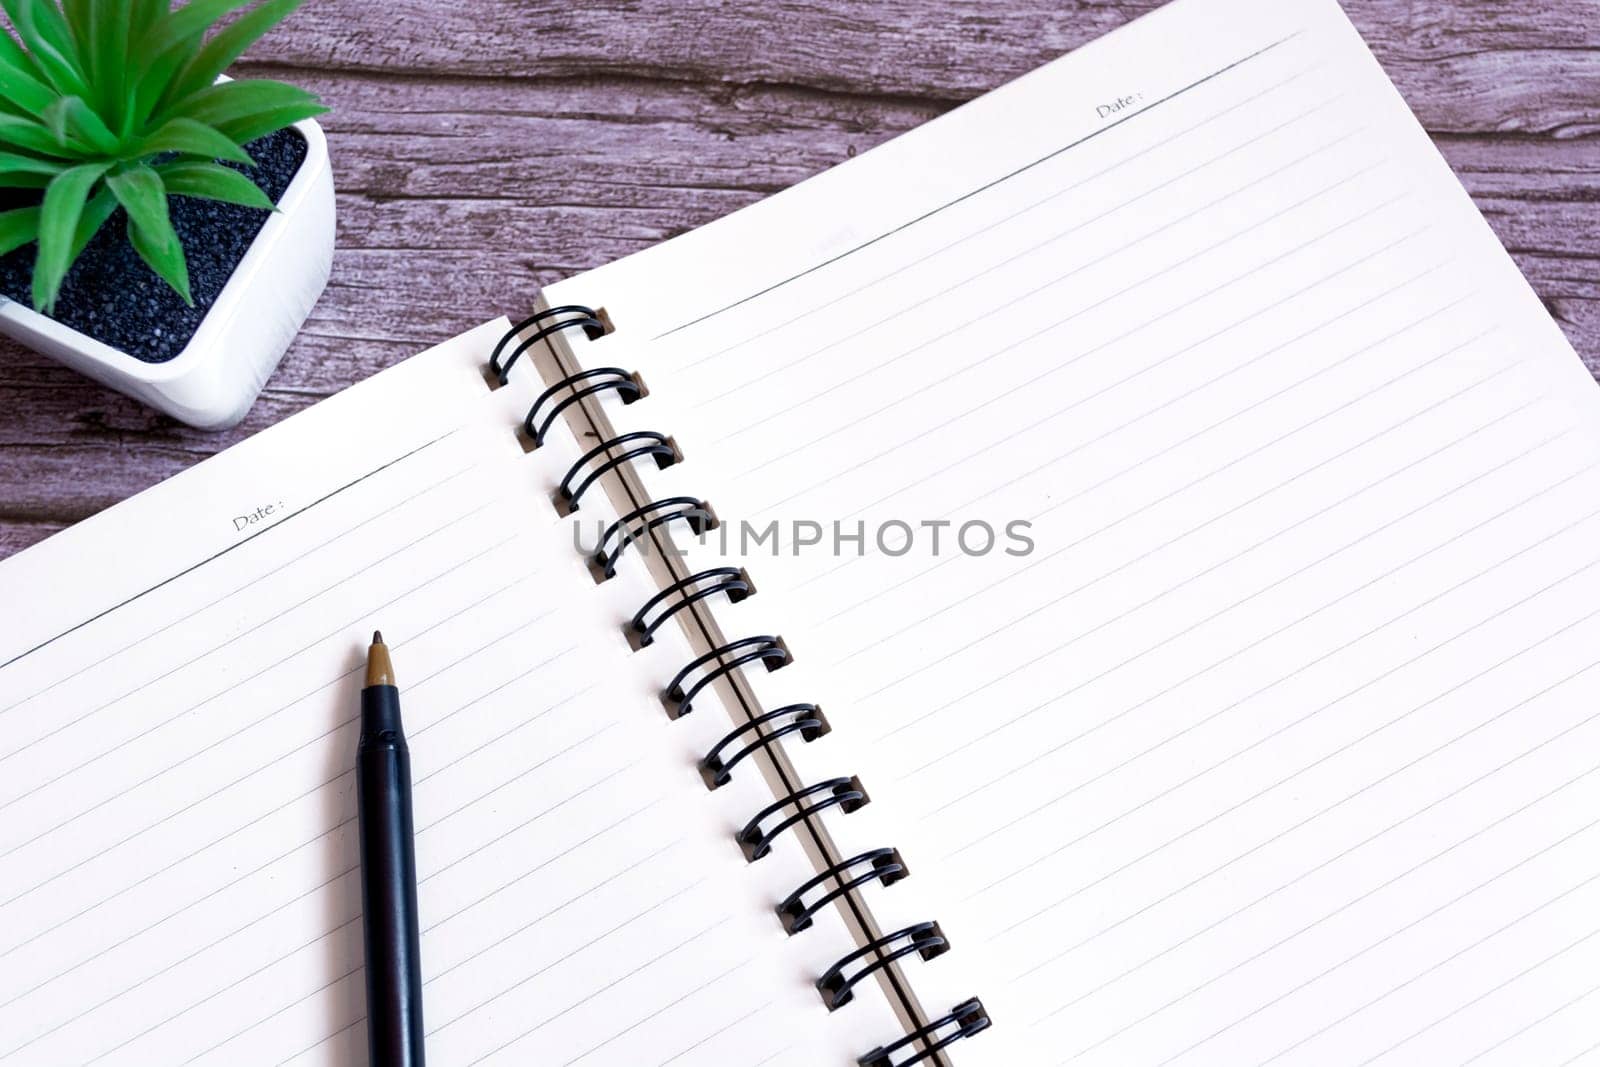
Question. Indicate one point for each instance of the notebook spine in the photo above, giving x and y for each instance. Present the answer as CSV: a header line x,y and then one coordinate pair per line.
x,y
767,731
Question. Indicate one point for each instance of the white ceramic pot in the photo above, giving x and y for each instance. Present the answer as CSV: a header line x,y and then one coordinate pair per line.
x,y
219,373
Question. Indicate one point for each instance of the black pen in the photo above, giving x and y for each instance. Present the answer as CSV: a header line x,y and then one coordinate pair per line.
x,y
388,872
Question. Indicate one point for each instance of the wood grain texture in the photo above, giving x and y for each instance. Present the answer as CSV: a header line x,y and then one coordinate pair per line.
x,y
481,150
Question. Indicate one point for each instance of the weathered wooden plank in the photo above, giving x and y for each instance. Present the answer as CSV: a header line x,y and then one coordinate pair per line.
x,y
17,535
1481,65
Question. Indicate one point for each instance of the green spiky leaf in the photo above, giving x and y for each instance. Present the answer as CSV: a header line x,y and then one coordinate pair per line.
x,y
64,199
13,163
97,97
185,25
26,135
48,39
145,14
168,43
110,26
191,138
80,18
17,228
142,195
95,214
74,123
247,110
21,82
212,181
227,45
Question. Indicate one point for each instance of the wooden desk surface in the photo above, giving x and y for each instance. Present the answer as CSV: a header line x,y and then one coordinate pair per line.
x,y
484,148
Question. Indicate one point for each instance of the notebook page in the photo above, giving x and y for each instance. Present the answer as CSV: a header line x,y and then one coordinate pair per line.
x,y
1275,741
178,864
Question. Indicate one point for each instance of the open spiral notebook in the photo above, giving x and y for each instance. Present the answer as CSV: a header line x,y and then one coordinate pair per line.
x,y
1103,579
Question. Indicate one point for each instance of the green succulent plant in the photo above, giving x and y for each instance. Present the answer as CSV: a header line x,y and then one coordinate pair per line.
x,y
108,103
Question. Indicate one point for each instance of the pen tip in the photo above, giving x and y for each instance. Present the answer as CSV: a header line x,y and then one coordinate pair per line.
x,y
379,670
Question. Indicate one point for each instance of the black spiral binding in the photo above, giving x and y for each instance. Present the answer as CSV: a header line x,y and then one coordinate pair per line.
x,y
625,383
696,514
588,319
797,911
730,580
837,984
845,794
808,722
768,650
660,448
963,1020
882,865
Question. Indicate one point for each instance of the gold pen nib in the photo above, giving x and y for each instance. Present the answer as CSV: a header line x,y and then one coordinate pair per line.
x,y
379,670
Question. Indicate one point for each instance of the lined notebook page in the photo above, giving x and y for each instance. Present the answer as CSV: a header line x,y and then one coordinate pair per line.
x,y
1279,745
178,861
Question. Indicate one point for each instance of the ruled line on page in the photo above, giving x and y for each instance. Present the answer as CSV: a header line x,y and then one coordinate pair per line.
x,y
1194,725
1286,939
1449,959
1053,196
1142,325
319,836
297,949
1319,659
599,780
1234,461
1476,1000
1480,998
245,727
668,1006
323,686
470,654
1413,923
1350,850
378,561
1473,480
989,313
1255,314
343,825
1253,406
1580,1055
1546,1017
261,719
342,873
941,294
530,924
993,183
237,544
635,917
431,926
780,1052
89,666
702,1041
1285,779
1062,646
698,1043
616,981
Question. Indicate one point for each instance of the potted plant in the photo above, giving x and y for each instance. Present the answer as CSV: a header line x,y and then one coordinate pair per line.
x,y
163,229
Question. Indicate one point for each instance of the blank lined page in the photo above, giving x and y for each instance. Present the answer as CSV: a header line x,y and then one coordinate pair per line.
x,y
178,699
1262,727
